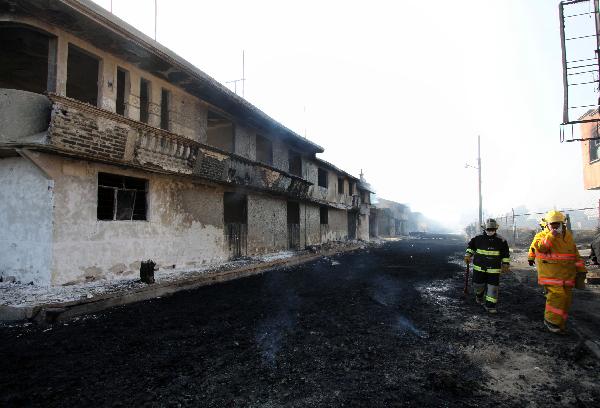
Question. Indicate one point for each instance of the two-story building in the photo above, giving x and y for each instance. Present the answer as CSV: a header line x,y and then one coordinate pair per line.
x,y
114,150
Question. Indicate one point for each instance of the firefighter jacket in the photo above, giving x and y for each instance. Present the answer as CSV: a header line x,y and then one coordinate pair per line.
x,y
557,258
531,253
489,253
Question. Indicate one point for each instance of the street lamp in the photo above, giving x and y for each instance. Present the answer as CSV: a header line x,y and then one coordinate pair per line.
x,y
479,178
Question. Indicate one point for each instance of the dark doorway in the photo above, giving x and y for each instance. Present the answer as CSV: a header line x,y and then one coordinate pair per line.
x,y
82,76
352,216
24,56
235,216
293,221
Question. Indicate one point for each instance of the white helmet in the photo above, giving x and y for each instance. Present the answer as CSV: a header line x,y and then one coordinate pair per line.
x,y
491,223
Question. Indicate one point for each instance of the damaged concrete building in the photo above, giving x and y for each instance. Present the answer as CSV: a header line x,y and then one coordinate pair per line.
x,y
391,219
114,150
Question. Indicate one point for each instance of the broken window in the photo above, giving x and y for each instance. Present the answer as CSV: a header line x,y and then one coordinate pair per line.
x,y
144,100
82,75
220,132
165,102
295,163
24,56
264,150
323,215
122,90
350,188
322,178
340,185
121,198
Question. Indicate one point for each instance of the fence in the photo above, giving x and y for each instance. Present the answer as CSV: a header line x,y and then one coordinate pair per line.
x,y
519,227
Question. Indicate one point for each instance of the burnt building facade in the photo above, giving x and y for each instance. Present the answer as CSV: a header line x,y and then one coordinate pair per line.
x,y
113,150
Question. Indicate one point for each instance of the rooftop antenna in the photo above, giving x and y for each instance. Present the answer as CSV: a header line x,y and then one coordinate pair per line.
x,y
110,6
304,107
242,79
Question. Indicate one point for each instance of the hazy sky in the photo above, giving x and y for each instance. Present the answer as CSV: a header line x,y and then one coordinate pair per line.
x,y
400,89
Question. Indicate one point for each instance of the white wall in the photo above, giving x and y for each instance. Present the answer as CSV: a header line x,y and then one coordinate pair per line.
x,y
26,198
184,226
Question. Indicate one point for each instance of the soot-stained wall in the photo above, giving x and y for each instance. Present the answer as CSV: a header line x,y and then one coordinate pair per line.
x,y
26,199
184,226
267,224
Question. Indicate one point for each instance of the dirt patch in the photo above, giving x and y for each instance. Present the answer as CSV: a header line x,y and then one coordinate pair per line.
x,y
380,327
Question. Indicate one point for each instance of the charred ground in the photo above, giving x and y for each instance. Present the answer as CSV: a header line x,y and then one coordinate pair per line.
x,y
384,326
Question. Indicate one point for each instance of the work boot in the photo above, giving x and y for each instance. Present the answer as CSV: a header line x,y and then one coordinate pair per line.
x,y
490,307
552,327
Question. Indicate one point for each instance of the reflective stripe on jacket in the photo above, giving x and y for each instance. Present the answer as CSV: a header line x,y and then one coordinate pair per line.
x,y
489,253
557,258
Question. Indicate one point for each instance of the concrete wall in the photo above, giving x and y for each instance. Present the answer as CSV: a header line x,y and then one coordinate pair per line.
x,y
184,227
267,224
338,225
245,142
309,225
26,199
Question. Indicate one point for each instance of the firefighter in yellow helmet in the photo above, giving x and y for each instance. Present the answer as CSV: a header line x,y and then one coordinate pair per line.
x,y
558,263
531,254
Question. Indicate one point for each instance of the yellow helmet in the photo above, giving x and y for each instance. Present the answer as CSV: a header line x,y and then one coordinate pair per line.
x,y
554,216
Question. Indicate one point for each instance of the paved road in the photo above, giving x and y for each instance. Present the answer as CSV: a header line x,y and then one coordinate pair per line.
x,y
379,327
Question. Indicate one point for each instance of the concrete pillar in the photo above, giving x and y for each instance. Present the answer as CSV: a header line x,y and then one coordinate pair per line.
x,y
154,110
132,103
107,85
62,53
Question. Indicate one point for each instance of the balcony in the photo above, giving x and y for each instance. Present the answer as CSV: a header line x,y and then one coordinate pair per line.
x,y
70,127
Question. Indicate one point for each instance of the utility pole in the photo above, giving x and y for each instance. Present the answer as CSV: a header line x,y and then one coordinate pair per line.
x,y
479,172
155,17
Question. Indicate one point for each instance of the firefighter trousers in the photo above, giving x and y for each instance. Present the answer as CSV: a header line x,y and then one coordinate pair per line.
x,y
486,285
558,303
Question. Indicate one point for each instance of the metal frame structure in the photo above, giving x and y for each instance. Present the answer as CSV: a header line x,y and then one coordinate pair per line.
x,y
580,75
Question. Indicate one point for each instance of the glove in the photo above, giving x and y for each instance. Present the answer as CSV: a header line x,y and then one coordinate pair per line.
x,y
505,268
467,259
531,262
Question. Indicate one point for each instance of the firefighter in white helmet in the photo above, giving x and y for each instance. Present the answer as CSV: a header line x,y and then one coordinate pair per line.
x,y
559,266
491,256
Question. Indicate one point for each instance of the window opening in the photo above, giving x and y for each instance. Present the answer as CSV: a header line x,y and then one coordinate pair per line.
x,y
264,150
340,185
82,76
121,198
322,178
324,215
594,143
295,163
24,56
350,188
165,97
144,100
220,132
122,79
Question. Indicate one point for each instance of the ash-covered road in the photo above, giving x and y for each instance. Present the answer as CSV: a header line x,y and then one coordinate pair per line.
x,y
380,327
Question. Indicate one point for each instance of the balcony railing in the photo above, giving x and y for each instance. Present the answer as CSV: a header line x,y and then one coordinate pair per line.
x,y
86,131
